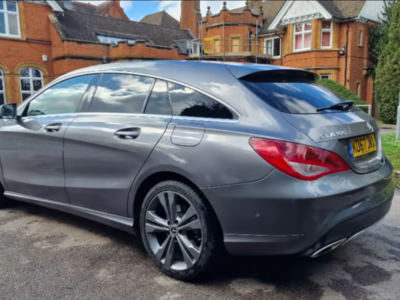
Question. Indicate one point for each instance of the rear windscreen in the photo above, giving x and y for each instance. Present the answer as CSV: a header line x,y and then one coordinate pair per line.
x,y
293,96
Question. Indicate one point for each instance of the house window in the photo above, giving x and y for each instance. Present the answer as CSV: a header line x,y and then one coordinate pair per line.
x,y
217,46
31,81
9,19
326,39
360,37
273,47
358,88
235,44
325,76
302,36
2,88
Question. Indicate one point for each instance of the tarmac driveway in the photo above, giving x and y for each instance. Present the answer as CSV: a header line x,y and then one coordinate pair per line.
x,y
46,254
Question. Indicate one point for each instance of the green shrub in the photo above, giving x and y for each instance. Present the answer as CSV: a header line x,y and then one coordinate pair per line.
x,y
388,72
343,91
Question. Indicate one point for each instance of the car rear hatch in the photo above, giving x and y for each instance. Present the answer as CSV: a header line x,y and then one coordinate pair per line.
x,y
328,119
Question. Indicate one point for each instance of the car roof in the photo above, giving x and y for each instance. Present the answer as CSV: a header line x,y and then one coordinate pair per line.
x,y
185,67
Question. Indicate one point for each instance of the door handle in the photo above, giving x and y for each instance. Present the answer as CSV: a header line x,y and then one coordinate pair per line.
x,y
53,127
129,133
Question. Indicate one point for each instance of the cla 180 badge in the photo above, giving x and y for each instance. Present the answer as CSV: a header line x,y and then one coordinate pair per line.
x,y
333,134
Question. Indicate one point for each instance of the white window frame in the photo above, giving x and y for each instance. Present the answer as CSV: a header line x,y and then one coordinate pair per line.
x,y
302,34
280,45
31,79
3,91
326,30
6,13
326,75
360,37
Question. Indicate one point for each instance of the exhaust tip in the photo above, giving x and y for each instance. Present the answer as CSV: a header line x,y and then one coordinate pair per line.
x,y
328,248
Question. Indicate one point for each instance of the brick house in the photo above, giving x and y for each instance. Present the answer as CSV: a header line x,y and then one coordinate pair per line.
x,y
41,40
327,37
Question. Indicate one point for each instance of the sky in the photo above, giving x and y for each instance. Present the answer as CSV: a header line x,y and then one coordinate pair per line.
x,y
136,10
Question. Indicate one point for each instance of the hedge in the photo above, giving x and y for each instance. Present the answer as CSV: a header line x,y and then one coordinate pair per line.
x,y
388,72
343,91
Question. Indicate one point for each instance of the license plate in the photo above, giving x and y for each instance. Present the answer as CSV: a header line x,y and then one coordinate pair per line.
x,y
361,145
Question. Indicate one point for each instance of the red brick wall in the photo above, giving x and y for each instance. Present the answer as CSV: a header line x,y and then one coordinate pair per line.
x,y
27,51
190,15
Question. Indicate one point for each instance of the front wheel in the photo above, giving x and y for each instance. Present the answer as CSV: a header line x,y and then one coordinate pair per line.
x,y
178,230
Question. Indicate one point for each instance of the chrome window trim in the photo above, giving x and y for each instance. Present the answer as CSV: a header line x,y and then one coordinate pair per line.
x,y
22,107
153,116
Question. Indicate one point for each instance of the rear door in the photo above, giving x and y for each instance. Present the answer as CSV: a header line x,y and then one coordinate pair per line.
x,y
106,146
349,132
31,147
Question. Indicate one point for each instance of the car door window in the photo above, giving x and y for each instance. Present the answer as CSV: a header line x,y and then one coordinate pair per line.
x,y
158,103
121,93
61,98
189,103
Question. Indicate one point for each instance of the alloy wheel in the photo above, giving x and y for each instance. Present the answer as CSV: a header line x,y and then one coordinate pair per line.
x,y
173,231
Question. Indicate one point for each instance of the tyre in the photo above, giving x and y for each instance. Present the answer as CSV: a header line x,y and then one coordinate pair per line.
x,y
4,202
179,231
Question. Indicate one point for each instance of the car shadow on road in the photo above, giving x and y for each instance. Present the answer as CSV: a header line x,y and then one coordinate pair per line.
x,y
278,271
116,235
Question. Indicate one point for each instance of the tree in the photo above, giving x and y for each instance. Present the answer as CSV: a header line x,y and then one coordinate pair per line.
x,y
378,33
387,83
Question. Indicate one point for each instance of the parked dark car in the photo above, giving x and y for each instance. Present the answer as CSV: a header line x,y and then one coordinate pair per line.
x,y
200,157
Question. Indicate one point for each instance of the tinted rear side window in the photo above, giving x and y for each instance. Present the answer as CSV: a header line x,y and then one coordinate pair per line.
x,y
189,103
120,93
293,97
158,103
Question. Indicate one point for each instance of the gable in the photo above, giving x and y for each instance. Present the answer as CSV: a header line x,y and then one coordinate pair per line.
x,y
372,10
299,11
300,8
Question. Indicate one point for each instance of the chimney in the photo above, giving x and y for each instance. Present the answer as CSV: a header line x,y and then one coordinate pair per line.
x,y
190,15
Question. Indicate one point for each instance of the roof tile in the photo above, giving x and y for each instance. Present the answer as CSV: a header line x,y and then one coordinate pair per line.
x,y
161,18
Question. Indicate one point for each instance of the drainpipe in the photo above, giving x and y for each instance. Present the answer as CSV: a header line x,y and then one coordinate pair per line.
x,y
347,51
281,40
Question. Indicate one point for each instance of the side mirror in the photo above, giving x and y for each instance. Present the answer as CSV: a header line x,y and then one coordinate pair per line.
x,y
8,111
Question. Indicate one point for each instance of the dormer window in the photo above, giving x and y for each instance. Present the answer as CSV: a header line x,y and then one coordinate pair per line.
x,y
302,36
114,40
326,39
9,19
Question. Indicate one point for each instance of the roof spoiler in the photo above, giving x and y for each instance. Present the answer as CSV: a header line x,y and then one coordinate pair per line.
x,y
268,71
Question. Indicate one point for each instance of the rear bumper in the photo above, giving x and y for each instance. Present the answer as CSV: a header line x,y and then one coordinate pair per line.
x,y
280,215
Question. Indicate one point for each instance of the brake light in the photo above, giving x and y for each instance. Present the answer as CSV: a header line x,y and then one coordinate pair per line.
x,y
297,160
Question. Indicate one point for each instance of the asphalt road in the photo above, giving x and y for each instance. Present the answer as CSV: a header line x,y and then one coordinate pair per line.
x,y
46,254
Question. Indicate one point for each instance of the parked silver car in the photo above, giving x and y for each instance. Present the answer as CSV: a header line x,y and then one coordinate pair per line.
x,y
199,157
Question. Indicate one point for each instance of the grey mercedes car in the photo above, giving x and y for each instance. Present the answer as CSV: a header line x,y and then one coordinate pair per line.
x,y
200,159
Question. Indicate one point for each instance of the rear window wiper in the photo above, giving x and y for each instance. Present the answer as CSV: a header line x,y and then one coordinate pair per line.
x,y
344,105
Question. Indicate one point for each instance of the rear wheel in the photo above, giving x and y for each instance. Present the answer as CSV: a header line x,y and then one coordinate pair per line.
x,y
4,202
178,230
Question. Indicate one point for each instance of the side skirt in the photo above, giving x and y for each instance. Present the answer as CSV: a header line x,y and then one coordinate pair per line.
x,y
123,223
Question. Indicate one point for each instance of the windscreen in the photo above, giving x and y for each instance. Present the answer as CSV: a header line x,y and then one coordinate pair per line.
x,y
292,93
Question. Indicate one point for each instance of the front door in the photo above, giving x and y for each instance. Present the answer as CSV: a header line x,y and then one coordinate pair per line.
x,y
31,147
106,146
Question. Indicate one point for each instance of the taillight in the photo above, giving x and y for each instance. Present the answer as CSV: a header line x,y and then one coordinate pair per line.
x,y
297,160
